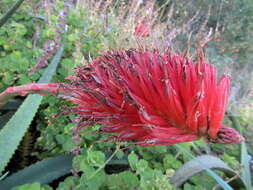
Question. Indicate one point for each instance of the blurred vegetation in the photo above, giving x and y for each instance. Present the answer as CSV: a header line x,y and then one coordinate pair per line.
x,y
93,27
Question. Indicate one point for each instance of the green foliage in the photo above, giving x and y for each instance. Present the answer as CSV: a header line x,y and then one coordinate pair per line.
x,y
141,176
133,160
42,172
149,178
16,55
170,162
14,130
33,186
11,11
124,180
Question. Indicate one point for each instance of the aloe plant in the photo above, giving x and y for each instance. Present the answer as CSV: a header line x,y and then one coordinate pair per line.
x,y
15,128
195,166
44,172
204,165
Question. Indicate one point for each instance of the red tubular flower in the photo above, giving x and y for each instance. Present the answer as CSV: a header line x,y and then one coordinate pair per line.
x,y
142,30
151,98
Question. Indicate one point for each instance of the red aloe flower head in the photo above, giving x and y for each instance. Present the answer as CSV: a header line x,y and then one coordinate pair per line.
x,y
150,98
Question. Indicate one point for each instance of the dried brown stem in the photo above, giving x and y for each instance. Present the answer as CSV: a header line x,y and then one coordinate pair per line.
x,y
48,11
230,179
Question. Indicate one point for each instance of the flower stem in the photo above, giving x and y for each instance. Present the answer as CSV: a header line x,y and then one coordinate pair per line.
x,y
31,88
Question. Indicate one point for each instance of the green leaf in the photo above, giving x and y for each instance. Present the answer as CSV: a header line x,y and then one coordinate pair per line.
x,y
23,79
202,163
94,182
96,158
246,175
34,186
85,167
14,130
142,165
230,160
129,179
68,145
5,118
219,180
68,183
114,181
133,160
120,154
170,162
8,78
43,172
3,176
11,105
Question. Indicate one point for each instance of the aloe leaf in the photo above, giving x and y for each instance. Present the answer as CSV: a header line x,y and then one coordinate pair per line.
x,y
43,172
204,164
194,167
3,176
14,130
5,118
10,12
246,175
11,105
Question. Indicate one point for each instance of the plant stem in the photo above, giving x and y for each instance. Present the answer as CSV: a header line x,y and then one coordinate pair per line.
x,y
31,88
107,161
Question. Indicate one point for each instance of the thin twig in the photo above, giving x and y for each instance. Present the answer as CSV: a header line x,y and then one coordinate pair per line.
x,y
237,175
218,20
106,162
48,12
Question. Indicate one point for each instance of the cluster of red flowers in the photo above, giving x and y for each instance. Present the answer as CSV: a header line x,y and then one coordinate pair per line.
x,y
150,98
